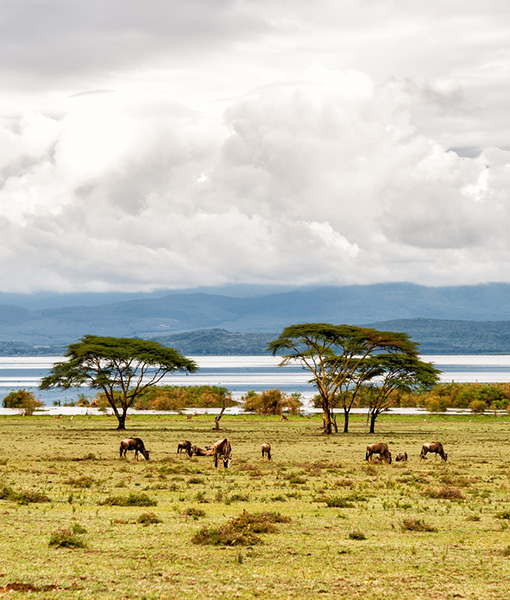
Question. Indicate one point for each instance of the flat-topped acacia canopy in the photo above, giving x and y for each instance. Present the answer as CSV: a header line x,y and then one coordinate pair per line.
x,y
122,367
334,353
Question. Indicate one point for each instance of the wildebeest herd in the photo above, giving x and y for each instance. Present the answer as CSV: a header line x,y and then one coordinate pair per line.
x,y
221,450
384,454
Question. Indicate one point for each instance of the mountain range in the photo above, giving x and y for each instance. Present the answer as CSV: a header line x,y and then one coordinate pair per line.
x,y
443,319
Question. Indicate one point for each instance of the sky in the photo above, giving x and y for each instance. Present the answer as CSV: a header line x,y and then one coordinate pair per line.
x,y
171,145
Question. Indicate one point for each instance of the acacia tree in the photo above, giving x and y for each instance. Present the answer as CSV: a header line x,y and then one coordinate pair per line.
x,y
333,355
384,374
123,368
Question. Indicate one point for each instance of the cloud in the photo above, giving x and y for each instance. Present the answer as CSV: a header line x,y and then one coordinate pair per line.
x,y
324,180
252,142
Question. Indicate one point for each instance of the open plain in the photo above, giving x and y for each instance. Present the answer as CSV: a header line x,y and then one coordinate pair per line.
x,y
77,521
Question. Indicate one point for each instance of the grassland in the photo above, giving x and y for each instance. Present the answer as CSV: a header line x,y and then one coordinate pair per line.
x,y
76,521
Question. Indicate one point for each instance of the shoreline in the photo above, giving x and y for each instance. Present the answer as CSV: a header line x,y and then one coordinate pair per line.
x,y
87,411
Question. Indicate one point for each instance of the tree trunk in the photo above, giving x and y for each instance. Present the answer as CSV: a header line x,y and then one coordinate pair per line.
x,y
217,419
373,417
333,421
122,416
346,421
326,420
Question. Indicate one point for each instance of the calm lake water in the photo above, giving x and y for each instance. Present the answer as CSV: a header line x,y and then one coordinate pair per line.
x,y
243,373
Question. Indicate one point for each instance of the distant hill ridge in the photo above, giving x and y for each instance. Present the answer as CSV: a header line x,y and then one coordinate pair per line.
x,y
434,336
395,305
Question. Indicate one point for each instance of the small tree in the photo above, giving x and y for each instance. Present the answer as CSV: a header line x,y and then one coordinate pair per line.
x,y
123,368
385,374
24,400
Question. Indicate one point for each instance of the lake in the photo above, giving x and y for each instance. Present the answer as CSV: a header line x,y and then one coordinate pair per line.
x,y
243,373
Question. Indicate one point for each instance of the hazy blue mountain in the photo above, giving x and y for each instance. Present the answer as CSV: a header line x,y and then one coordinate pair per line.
x,y
433,336
218,342
152,315
453,337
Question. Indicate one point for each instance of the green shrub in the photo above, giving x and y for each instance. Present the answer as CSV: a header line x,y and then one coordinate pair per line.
x,y
477,406
23,497
337,502
65,538
78,528
196,480
24,400
357,534
193,512
83,481
148,518
236,498
132,499
272,402
242,530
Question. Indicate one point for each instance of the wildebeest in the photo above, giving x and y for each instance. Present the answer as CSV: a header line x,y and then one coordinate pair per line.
x,y
381,449
401,456
266,450
135,444
184,445
435,447
222,449
196,451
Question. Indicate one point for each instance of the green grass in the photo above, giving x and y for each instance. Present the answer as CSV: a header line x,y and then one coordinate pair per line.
x,y
317,521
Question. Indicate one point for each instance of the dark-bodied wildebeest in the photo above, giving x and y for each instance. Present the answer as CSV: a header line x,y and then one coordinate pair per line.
x,y
381,449
135,444
435,447
401,456
222,449
184,446
266,451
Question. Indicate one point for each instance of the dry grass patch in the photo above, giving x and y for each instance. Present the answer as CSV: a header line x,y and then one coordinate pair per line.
x,y
446,493
412,524
357,534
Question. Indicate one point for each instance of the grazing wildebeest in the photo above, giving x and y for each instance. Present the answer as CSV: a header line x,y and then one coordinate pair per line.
x,y
135,444
401,456
222,449
435,447
381,449
266,451
285,418
184,445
